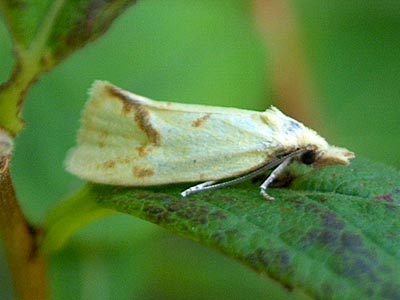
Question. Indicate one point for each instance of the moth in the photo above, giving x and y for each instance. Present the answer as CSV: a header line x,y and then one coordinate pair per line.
x,y
129,140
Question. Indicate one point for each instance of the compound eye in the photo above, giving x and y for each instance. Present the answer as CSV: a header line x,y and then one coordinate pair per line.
x,y
308,157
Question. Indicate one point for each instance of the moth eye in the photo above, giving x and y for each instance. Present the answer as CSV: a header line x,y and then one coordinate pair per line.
x,y
308,157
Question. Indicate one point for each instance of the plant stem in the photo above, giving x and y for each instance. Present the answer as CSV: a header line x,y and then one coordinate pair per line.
x,y
13,92
28,268
291,79
70,215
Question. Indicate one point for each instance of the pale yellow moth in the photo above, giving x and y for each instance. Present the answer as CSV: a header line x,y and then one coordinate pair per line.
x,y
129,140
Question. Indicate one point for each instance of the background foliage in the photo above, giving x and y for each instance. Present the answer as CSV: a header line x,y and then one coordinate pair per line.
x,y
211,53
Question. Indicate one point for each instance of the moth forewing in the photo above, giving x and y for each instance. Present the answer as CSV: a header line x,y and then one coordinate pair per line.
x,y
130,140
126,139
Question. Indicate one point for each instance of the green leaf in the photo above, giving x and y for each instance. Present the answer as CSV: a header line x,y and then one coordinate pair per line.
x,y
44,33
333,233
69,216
56,28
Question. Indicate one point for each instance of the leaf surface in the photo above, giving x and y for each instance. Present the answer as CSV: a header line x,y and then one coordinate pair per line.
x,y
334,232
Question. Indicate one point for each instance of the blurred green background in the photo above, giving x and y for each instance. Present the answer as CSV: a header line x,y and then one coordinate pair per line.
x,y
207,52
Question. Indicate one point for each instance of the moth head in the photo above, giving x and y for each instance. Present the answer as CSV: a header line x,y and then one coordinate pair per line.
x,y
292,135
319,153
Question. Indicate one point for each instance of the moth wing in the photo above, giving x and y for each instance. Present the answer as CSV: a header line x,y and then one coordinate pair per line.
x,y
126,139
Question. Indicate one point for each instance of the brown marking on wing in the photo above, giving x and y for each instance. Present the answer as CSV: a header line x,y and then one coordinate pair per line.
x,y
200,121
109,164
142,115
144,149
142,172
102,138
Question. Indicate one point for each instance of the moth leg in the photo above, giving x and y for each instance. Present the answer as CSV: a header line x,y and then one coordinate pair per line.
x,y
282,163
196,188
274,174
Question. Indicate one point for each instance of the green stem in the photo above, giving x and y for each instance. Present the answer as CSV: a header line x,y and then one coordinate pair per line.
x,y
12,95
30,63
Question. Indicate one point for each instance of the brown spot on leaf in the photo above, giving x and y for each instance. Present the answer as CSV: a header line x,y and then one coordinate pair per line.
x,y
330,220
156,213
271,259
219,215
142,114
142,172
175,206
352,243
200,121
323,199
385,197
